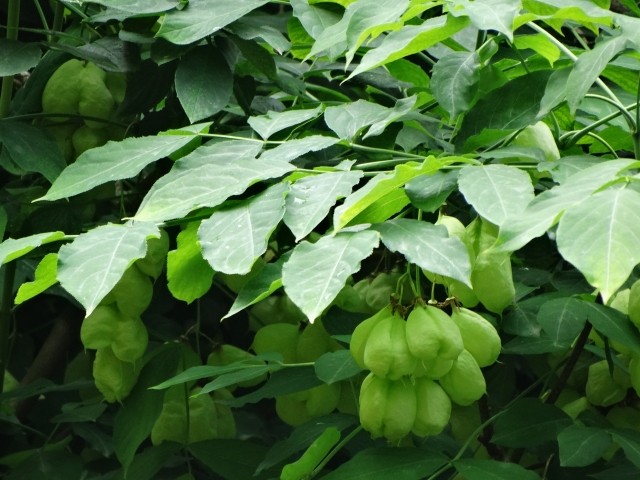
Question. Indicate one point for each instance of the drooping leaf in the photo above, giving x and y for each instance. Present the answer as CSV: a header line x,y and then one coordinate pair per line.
x,y
378,187
400,463
348,119
477,469
543,211
335,366
311,198
293,149
496,192
495,15
273,122
206,178
30,150
249,373
189,275
454,81
427,246
409,40
599,237
232,238
201,18
257,288
629,440
613,324
90,266
12,248
116,161
45,277
17,57
429,192
204,83
581,446
539,43
562,319
316,272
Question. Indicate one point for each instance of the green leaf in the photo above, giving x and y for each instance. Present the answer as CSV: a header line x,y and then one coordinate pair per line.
x,y
45,277
311,198
529,423
496,192
17,57
273,122
293,149
613,324
429,192
206,178
204,83
90,266
409,40
378,188
116,161
589,66
228,379
348,119
454,81
599,237
514,105
562,319
581,446
427,246
543,211
11,248
133,422
30,150
147,464
139,6
335,366
316,272
399,463
201,18
474,469
495,15
316,20
629,440
540,44
259,287
189,275
234,237
362,19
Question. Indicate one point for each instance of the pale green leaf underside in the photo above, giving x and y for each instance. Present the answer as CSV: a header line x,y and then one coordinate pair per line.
x,y
232,238
267,281
316,272
273,122
12,248
600,237
495,15
207,178
311,198
427,246
497,192
115,161
454,79
292,149
139,6
202,18
90,266
17,57
544,210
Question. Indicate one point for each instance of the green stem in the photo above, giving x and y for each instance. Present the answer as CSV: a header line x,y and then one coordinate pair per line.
x,y
574,136
5,318
13,21
58,19
636,132
605,143
623,110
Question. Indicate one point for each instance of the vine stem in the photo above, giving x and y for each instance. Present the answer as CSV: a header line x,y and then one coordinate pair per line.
x,y
13,20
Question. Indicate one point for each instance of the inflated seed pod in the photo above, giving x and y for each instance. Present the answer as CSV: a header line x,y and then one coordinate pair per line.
x,y
386,352
431,334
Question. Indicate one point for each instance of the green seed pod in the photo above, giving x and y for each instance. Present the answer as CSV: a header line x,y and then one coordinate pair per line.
x,y
492,280
431,334
363,331
433,408
323,399
634,303
386,352
479,337
61,94
85,138
462,293
292,410
113,377
603,389
464,383
634,373
99,328
130,340
277,337
313,455
313,342
153,262
538,135
434,369
133,292
387,407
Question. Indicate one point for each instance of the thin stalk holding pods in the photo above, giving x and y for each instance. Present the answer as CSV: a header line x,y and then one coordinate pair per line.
x,y
574,58
6,90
